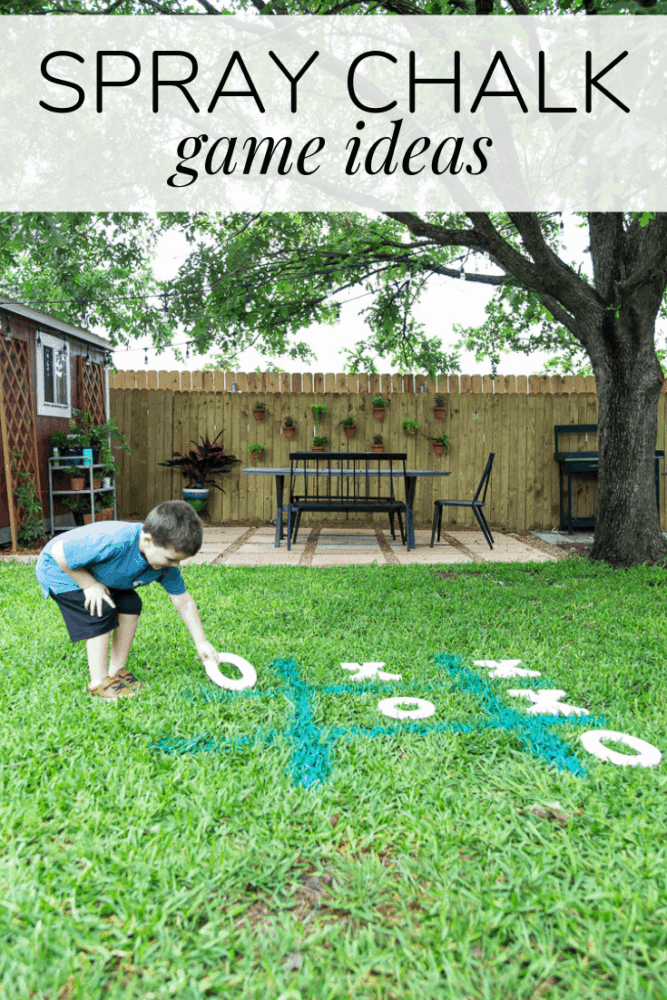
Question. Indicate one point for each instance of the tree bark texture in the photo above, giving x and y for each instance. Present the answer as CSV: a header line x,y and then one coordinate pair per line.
x,y
613,318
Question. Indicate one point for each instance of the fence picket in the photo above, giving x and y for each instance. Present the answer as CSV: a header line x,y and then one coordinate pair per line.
x,y
517,426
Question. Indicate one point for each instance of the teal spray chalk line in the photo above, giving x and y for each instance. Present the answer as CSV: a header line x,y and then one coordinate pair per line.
x,y
311,758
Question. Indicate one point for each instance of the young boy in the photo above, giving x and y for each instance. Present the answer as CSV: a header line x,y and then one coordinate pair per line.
x,y
90,573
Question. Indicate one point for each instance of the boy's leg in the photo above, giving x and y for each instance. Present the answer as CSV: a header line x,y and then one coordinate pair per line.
x,y
121,642
97,649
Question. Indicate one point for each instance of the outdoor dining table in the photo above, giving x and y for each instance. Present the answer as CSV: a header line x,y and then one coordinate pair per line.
x,y
411,475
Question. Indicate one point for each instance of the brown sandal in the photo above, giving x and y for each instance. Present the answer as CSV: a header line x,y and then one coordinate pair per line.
x,y
111,689
128,678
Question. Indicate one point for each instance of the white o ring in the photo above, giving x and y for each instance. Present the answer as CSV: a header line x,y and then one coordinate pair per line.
x,y
423,711
647,755
248,677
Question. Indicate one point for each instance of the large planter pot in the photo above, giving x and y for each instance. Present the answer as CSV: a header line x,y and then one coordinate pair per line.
x,y
378,412
439,412
377,448
77,483
438,448
258,414
100,515
197,498
288,432
349,431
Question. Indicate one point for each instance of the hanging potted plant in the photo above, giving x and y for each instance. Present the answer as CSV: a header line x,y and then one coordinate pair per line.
x,y
377,445
320,412
199,468
258,410
440,407
288,428
441,444
256,450
349,426
378,403
319,443
410,428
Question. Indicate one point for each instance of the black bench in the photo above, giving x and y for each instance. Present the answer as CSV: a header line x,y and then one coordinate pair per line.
x,y
347,481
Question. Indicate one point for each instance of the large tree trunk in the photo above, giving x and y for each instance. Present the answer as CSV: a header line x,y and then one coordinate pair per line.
x,y
629,382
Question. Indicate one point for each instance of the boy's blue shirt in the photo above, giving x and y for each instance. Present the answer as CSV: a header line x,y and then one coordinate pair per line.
x,y
109,550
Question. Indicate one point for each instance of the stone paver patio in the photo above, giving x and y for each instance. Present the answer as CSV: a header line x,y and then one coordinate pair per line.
x,y
321,547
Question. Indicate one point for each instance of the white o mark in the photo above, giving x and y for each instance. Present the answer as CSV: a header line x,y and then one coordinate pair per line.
x,y
647,755
248,677
389,707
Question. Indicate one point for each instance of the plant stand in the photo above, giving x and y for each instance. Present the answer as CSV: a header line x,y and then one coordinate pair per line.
x,y
107,514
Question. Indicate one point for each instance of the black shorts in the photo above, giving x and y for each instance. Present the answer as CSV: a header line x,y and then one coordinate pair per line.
x,y
79,621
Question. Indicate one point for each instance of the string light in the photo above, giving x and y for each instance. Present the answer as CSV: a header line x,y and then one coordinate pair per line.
x,y
108,357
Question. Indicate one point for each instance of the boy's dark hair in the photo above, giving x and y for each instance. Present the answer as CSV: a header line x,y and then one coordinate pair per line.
x,y
175,523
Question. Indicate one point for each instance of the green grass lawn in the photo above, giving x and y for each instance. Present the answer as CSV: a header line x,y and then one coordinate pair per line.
x,y
415,869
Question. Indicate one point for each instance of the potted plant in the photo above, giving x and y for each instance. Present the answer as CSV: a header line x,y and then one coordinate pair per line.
x,y
410,428
258,410
378,403
377,445
96,436
199,468
441,444
349,426
440,407
76,481
60,445
103,510
319,443
289,428
73,506
320,412
256,450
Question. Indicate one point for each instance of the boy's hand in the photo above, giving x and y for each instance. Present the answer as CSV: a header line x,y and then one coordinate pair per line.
x,y
205,650
95,596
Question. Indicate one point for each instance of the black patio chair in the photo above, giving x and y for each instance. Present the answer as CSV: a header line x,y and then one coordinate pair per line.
x,y
475,503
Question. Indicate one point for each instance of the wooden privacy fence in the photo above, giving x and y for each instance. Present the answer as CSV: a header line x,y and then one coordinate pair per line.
x,y
519,428
218,381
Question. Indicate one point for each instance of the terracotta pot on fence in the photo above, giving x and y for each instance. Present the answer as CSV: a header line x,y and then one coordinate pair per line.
x,y
377,448
408,434
288,432
319,447
378,412
349,431
439,412
258,414
438,448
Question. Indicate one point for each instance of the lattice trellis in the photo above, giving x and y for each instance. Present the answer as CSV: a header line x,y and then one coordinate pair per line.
x,y
17,424
91,382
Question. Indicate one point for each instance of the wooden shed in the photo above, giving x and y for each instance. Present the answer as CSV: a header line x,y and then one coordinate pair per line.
x,y
47,369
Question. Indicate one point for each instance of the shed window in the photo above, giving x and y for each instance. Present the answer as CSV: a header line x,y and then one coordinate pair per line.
x,y
55,377
54,392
